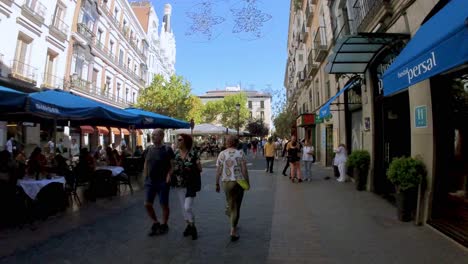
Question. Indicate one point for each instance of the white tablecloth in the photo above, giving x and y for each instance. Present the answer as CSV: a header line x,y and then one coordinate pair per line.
x,y
116,170
32,187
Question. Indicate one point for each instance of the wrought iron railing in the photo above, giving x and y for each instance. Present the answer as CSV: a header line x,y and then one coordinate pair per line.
x,y
36,8
364,11
320,44
52,81
309,14
95,91
85,31
60,25
23,71
7,2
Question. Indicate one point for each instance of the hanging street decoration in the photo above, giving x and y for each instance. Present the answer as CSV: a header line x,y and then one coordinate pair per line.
x,y
249,20
203,20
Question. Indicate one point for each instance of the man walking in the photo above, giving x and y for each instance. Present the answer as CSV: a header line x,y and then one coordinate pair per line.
x,y
269,153
157,171
284,153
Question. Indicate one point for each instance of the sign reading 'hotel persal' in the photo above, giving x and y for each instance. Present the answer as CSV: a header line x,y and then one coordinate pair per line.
x,y
419,69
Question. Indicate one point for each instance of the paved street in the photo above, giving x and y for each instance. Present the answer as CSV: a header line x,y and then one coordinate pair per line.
x,y
281,222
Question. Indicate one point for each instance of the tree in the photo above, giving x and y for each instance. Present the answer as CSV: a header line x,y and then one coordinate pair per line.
x,y
257,128
229,111
172,98
196,110
211,111
283,122
225,111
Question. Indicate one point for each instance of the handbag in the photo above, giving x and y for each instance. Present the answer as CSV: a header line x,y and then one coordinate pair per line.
x,y
244,184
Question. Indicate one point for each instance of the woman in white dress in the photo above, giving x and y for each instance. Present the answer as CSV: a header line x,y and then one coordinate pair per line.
x,y
340,161
308,159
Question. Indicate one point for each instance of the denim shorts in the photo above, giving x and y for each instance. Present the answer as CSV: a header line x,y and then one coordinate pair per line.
x,y
160,188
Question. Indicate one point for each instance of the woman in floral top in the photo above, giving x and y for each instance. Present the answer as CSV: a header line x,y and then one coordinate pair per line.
x,y
232,166
186,180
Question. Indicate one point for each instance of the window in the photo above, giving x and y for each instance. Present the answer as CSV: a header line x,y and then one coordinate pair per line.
x,y
111,46
49,79
121,57
99,36
250,114
262,104
262,115
20,64
327,87
250,105
59,14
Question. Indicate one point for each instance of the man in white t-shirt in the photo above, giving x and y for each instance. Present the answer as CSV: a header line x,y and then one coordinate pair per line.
x,y
10,145
51,146
74,148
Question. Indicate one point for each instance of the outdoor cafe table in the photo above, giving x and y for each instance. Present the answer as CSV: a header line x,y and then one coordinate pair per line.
x,y
32,186
116,170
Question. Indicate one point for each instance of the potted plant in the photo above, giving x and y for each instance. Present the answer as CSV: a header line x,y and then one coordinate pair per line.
x,y
359,161
406,173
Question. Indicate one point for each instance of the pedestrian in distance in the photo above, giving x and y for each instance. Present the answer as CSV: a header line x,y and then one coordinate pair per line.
x,y
186,180
157,171
269,154
231,168
308,158
340,161
285,152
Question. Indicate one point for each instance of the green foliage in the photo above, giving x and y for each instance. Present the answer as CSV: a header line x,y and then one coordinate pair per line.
x,y
225,111
283,123
257,128
359,159
171,98
196,110
211,111
406,173
297,4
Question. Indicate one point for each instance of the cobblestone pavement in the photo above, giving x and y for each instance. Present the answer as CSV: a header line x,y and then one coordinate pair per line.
x,y
281,222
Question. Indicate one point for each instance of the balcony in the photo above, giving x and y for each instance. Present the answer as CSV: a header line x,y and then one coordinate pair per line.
x,y
52,81
342,30
311,66
95,91
105,51
7,2
59,29
24,72
366,10
309,13
320,44
34,11
85,31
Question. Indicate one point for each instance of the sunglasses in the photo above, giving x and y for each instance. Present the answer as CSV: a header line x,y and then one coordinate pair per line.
x,y
180,139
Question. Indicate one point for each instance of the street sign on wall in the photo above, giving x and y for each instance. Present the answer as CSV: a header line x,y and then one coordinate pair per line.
x,y
420,116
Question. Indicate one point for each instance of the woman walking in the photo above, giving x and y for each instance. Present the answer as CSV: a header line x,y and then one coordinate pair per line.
x,y
187,182
232,167
295,161
308,158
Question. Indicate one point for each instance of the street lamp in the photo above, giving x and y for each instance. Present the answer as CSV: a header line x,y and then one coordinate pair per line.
x,y
238,112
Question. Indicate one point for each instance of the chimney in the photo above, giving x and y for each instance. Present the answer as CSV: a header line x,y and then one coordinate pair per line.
x,y
167,17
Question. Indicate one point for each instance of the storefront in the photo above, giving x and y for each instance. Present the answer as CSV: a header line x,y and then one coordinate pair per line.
x,y
307,122
434,65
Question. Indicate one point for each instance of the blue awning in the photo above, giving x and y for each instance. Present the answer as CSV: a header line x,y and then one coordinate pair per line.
x,y
154,120
11,100
439,45
60,104
325,109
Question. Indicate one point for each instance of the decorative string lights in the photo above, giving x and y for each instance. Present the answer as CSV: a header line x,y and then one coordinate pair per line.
x,y
249,20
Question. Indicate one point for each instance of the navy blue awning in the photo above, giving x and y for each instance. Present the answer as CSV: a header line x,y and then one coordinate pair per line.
x,y
325,109
439,45
11,100
154,120
60,104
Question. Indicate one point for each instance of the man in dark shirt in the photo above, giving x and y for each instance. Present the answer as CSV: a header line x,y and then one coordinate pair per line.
x,y
157,170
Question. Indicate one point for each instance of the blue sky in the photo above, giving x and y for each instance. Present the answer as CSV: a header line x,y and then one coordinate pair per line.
x,y
229,58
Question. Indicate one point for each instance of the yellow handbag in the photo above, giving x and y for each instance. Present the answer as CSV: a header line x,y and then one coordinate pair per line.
x,y
244,184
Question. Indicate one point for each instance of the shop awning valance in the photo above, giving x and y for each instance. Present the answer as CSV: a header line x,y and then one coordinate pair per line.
x,y
439,45
87,129
125,131
103,130
353,53
325,109
115,130
154,120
